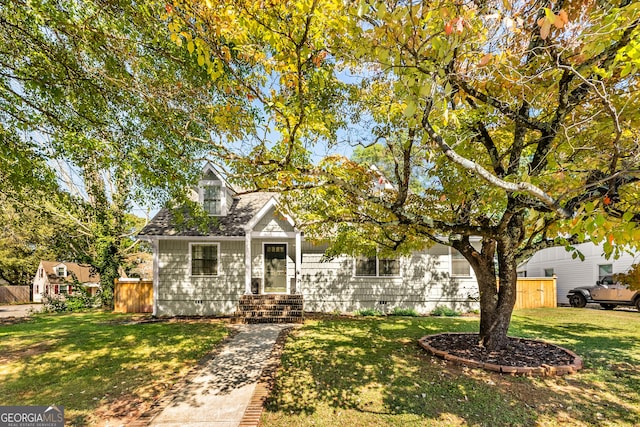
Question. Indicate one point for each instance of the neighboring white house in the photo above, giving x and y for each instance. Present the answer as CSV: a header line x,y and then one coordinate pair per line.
x,y
574,272
57,278
251,248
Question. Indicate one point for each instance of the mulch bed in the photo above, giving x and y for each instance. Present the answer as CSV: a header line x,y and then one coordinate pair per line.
x,y
521,356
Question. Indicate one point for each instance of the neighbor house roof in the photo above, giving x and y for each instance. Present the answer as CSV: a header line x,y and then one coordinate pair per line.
x,y
243,209
82,272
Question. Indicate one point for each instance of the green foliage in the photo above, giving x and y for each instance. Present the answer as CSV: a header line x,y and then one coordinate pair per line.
x,y
409,312
369,372
99,110
30,234
443,310
367,312
631,278
54,304
90,362
79,299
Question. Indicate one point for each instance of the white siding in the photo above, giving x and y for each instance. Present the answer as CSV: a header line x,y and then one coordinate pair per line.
x,y
273,222
574,272
39,284
425,283
179,294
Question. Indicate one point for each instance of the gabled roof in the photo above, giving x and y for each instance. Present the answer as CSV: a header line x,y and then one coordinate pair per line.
x,y
209,172
243,210
82,272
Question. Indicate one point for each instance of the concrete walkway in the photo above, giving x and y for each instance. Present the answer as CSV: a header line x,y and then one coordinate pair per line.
x,y
220,393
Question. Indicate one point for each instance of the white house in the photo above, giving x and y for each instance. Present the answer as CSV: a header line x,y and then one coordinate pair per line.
x,y
250,248
574,272
55,278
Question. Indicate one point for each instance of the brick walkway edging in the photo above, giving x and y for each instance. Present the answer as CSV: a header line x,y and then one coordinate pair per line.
x,y
544,370
252,414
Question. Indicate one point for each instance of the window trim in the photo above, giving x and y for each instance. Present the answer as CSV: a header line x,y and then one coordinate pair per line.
x,y
191,245
64,270
223,195
599,266
451,258
377,275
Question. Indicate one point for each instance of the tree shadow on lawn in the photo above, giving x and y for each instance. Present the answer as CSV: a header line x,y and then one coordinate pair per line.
x,y
594,343
374,368
90,363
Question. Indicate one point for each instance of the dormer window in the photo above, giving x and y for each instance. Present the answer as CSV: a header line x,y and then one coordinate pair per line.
x,y
211,200
213,192
61,271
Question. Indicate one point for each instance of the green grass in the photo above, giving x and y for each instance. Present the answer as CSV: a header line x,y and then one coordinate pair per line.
x,y
370,372
95,364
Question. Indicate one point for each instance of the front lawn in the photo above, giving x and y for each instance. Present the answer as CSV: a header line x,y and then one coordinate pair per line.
x,y
371,372
98,365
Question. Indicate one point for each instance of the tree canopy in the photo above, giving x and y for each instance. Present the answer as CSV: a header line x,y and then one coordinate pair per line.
x,y
512,122
96,104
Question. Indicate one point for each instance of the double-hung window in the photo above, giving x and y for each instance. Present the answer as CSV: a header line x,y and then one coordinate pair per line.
x,y
204,259
377,267
211,200
61,271
460,267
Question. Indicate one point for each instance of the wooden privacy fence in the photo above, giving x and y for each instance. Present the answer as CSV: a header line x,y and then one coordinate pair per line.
x,y
536,292
133,296
14,294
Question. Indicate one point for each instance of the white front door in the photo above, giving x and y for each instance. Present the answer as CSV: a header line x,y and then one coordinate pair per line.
x,y
275,268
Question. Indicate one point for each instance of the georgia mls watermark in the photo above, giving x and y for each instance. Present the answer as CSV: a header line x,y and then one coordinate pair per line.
x,y
32,416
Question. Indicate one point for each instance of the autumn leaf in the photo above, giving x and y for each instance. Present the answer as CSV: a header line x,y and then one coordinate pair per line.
x,y
459,22
448,28
545,27
485,60
564,18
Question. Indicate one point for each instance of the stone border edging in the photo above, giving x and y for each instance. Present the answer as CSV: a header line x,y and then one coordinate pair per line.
x,y
253,412
544,370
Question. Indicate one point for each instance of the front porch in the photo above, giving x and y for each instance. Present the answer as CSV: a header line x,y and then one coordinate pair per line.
x,y
272,254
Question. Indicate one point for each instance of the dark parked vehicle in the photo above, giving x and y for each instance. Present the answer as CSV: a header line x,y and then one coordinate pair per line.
x,y
607,293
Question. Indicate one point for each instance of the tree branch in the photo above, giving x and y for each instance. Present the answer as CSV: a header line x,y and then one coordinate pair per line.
x,y
488,176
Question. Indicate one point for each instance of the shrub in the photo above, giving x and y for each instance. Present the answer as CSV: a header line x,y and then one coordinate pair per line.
x,y
369,312
54,304
397,311
80,299
443,310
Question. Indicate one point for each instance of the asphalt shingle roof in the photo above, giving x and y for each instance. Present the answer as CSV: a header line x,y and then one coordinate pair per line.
x,y
243,209
84,273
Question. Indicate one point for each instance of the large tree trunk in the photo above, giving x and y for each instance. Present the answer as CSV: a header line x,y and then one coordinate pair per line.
x,y
497,289
496,303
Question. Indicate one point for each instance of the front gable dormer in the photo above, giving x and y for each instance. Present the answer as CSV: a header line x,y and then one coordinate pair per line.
x,y
60,270
214,194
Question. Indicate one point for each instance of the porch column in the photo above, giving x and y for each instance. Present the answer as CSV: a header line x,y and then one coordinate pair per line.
x,y
156,274
247,263
298,260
